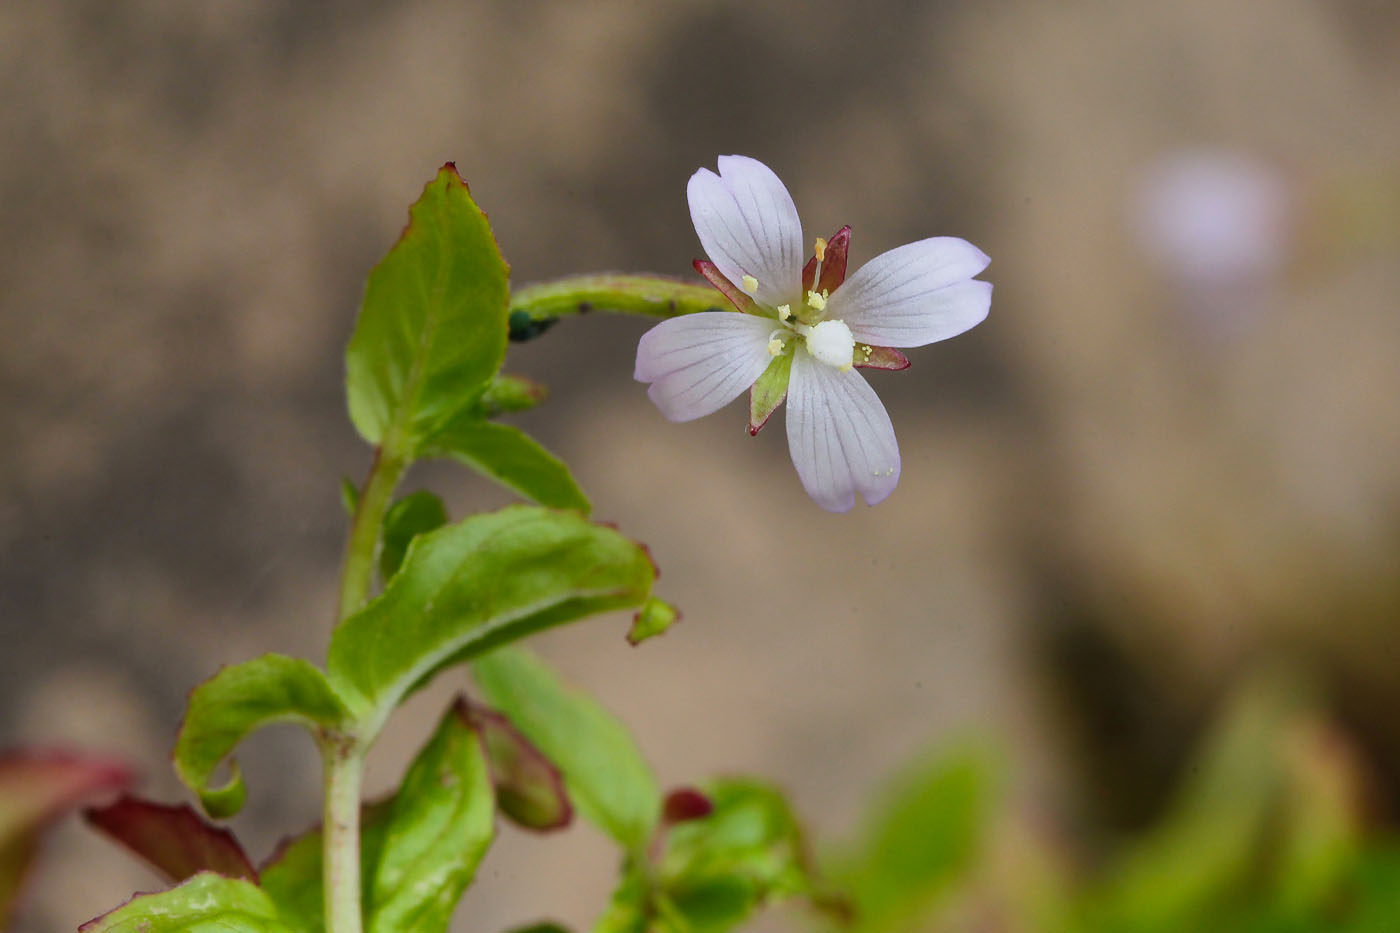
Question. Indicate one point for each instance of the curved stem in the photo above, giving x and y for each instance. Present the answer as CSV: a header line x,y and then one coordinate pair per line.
x,y
344,769
650,295
384,476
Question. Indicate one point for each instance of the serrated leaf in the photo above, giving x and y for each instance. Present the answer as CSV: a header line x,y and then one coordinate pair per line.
x,y
437,830
172,839
606,775
413,515
768,392
432,327
529,788
206,902
654,618
475,585
236,701
512,458
36,788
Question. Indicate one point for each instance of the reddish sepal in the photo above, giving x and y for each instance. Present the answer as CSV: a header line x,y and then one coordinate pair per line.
x,y
834,265
731,291
174,840
880,358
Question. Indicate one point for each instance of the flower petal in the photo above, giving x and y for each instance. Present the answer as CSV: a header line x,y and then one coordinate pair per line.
x,y
698,363
915,294
839,435
748,225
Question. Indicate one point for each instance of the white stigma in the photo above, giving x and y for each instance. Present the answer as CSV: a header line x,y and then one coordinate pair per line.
x,y
830,342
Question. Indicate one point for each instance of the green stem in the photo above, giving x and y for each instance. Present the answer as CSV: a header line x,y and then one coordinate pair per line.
x,y
344,769
650,295
379,488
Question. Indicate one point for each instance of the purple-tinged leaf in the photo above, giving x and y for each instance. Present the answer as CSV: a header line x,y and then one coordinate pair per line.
x,y
685,804
869,357
741,301
36,788
529,788
173,839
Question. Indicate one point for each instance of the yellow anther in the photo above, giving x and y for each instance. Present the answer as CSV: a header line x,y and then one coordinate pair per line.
x,y
775,345
820,250
816,301
749,284
784,312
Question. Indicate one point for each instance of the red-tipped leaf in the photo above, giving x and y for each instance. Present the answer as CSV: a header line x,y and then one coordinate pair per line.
x,y
173,839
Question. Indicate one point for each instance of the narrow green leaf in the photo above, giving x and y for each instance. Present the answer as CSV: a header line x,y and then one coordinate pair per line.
x,y
506,394
349,496
414,514
234,702
438,829
654,618
512,458
920,839
768,391
207,902
606,775
432,328
472,586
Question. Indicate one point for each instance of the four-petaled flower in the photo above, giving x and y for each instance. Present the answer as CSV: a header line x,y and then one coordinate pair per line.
x,y
804,329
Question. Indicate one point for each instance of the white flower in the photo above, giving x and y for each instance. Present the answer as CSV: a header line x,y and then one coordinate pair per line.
x,y
804,330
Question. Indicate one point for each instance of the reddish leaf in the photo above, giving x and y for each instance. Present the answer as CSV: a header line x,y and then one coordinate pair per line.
x,y
173,839
868,357
685,804
529,788
834,265
35,789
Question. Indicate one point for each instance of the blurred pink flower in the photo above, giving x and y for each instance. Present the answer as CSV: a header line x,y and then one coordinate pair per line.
x,y
804,329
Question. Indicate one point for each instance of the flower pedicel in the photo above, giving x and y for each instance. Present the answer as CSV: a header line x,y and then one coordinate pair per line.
x,y
803,330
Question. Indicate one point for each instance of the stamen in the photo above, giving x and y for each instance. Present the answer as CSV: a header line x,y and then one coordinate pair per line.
x,y
816,301
749,284
775,343
820,250
784,312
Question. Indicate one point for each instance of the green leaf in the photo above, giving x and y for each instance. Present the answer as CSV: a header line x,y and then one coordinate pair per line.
x,y
506,394
438,829
654,618
206,903
512,458
919,841
606,776
415,514
630,907
292,877
349,496
768,391
716,870
470,587
432,328
234,702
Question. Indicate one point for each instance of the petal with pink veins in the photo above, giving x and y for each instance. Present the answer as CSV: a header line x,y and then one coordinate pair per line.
x,y
915,294
748,225
698,363
839,435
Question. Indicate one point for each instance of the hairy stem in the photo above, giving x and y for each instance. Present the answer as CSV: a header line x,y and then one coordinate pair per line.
x,y
384,476
344,768
650,295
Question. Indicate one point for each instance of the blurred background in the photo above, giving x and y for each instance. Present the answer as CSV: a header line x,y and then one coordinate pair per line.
x,y
1166,462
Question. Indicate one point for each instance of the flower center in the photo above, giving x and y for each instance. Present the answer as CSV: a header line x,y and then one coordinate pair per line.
x,y
830,342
